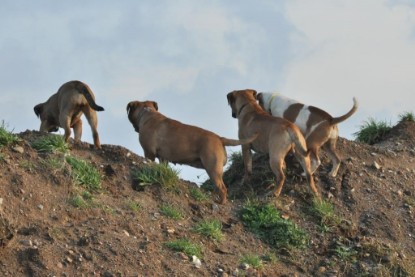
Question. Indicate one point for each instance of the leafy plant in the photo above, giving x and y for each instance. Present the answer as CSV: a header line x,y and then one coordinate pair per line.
x,y
51,144
156,173
6,137
171,212
372,131
406,116
253,260
210,228
185,246
265,221
198,194
84,174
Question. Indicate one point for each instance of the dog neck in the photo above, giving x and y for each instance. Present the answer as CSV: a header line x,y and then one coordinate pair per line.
x,y
270,100
240,110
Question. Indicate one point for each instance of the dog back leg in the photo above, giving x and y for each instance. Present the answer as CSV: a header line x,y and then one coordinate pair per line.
x,y
91,116
330,148
65,122
277,165
247,156
306,164
77,129
216,175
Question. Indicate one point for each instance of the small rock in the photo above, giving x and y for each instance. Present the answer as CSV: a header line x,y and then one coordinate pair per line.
x,y
69,260
376,165
18,149
1,201
196,261
59,265
322,269
40,207
126,233
245,266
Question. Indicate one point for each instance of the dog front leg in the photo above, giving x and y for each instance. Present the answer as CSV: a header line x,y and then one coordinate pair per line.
x,y
247,156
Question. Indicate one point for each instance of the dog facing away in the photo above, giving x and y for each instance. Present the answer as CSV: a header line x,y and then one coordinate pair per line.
x,y
276,137
170,140
65,108
318,127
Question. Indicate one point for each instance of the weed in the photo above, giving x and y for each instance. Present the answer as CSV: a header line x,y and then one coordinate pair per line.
x,y
372,131
133,206
84,174
406,116
51,144
270,258
345,253
156,173
198,195
6,137
265,221
253,260
210,228
171,212
27,165
185,246
54,163
2,157
325,212
81,201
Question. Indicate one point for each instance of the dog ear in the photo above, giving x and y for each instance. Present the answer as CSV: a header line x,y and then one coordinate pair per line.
x,y
38,109
129,107
156,106
254,93
231,98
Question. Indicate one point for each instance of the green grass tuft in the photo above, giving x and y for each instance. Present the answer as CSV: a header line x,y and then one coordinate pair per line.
x,y
198,195
156,173
6,137
171,211
210,228
406,116
372,131
51,144
84,200
254,261
185,246
85,174
325,212
265,221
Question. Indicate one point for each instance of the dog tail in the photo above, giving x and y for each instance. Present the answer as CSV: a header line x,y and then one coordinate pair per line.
x,y
339,119
86,91
298,140
236,142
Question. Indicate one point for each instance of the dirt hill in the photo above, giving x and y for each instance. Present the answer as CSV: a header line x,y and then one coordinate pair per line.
x,y
123,233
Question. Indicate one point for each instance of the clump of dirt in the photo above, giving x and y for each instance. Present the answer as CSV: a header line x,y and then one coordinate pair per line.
x,y
124,233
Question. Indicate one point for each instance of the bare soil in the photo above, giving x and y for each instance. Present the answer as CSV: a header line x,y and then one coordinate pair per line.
x,y
43,234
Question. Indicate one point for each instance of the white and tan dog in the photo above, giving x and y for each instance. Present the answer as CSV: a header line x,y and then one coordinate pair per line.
x,y
276,137
170,140
318,127
65,108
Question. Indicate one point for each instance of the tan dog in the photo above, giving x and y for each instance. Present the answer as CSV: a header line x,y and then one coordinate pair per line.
x,y
318,127
173,141
64,109
277,137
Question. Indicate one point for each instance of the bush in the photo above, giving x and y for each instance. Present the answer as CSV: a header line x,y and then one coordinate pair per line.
x,y
372,131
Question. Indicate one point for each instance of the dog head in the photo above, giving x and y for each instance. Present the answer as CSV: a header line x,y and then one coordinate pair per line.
x,y
48,122
238,99
136,109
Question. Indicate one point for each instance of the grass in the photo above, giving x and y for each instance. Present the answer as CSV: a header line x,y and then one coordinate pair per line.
x,y
51,144
171,211
84,174
54,163
210,228
325,212
406,116
156,173
252,260
265,221
185,246
83,200
198,195
133,206
372,131
6,137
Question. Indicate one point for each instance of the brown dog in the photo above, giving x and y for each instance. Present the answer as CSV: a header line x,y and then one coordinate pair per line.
x,y
173,141
64,109
277,137
318,127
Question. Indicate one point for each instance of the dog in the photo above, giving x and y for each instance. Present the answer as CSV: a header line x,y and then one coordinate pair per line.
x,y
172,141
276,137
65,108
317,126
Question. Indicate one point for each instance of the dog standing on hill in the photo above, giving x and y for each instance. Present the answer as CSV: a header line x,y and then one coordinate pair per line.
x,y
173,141
65,108
277,137
318,127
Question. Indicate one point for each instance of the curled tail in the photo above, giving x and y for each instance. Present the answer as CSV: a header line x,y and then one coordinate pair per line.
x,y
85,91
339,119
298,140
235,142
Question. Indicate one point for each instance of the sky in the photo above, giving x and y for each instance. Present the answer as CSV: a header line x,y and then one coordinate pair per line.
x,y
187,55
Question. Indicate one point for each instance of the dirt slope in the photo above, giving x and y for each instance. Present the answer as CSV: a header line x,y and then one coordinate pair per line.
x,y
42,234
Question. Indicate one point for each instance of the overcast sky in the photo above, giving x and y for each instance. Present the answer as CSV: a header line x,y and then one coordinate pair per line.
x,y
187,55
